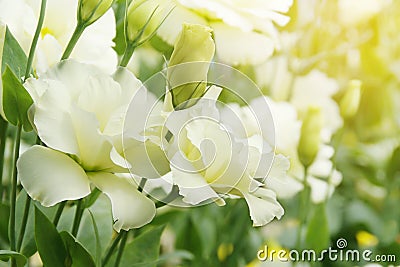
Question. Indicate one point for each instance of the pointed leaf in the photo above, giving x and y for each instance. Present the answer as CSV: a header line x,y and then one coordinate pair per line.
x,y
317,236
20,259
97,236
79,256
13,55
16,100
51,248
144,250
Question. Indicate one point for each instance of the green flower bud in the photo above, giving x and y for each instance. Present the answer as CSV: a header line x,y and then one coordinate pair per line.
x,y
195,47
351,100
140,23
310,136
92,10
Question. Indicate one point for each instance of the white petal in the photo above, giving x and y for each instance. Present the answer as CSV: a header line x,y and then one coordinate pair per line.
x,y
101,96
194,188
50,176
130,208
172,26
279,181
237,47
48,53
146,159
263,206
65,70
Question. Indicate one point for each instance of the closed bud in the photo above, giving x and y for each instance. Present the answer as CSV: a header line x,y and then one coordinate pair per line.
x,y
189,64
92,10
310,136
143,18
351,100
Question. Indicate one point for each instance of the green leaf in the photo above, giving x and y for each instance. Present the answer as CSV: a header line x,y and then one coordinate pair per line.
x,y
317,236
20,259
101,211
51,248
207,232
13,56
97,236
5,217
79,256
16,100
144,250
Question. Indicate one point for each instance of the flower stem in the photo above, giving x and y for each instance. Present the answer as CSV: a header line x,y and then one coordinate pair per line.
x,y
24,221
80,27
130,48
59,212
35,39
121,248
78,217
13,198
304,199
3,139
111,249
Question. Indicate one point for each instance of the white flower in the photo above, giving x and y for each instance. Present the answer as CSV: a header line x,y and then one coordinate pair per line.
x,y
287,125
244,30
93,47
212,158
78,113
302,91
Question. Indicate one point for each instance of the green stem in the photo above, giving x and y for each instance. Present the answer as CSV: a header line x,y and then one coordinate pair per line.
x,y
80,27
35,39
59,212
3,139
111,249
304,198
14,188
24,221
121,248
130,48
78,217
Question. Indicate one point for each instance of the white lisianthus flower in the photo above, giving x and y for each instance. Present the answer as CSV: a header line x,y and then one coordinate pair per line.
x,y
317,89
94,46
288,126
244,31
78,113
213,157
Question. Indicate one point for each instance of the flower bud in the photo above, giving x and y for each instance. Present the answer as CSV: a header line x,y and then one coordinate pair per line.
x,y
351,100
310,136
196,48
143,17
92,10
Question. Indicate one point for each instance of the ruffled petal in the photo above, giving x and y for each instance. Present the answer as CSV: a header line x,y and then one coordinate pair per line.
x,y
130,208
50,176
263,206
